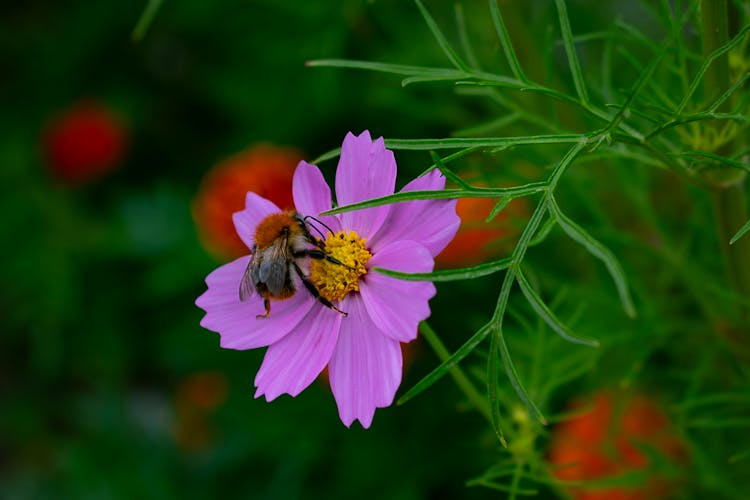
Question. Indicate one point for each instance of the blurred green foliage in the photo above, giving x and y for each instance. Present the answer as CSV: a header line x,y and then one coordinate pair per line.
x,y
98,325
99,335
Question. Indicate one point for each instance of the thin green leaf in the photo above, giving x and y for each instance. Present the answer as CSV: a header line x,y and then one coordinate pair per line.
x,y
447,172
485,142
744,229
501,487
146,19
619,152
515,381
589,37
586,106
637,35
570,50
396,69
502,33
466,143
446,365
639,84
656,93
667,160
490,126
463,36
493,390
542,234
510,83
726,95
682,52
544,312
561,167
720,159
443,194
498,79
542,122
464,273
683,119
499,207
498,346
555,94
441,40
665,112
606,69
638,112
500,468
493,371
449,158
575,232
497,341
409,80
704,67
562,377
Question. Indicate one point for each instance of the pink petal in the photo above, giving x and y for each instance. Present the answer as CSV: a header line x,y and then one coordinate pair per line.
x,y
236,321
292,363
312,196
433,223
366,170
245,221
365,369
397,306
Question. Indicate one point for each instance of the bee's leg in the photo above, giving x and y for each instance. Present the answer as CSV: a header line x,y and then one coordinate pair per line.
x,y
317,254
318,243
267,305
315,292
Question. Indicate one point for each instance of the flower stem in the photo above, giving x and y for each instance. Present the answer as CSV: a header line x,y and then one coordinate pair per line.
x,y
728,195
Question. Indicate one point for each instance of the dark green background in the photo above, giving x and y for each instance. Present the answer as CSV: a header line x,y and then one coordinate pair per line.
x,y
98,328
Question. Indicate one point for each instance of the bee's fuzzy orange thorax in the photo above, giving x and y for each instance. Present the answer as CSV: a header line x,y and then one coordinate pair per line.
x,y
272,227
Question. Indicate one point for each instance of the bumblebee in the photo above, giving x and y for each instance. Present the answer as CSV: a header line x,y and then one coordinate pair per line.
x,y
280,240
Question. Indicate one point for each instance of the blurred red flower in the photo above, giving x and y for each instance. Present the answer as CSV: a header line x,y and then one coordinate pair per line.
x,y
84,142
264,169
607,440
476,239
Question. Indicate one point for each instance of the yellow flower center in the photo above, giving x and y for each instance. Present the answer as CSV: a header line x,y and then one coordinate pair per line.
x,y
334,281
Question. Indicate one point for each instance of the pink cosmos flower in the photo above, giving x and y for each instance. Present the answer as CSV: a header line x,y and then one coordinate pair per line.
x,y
362,348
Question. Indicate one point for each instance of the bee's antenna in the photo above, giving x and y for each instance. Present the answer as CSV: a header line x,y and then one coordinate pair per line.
x,y
319,222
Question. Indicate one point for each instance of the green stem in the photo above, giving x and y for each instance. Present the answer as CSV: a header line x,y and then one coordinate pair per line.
x,y
462,381
149,13
728,196
715,34
731,213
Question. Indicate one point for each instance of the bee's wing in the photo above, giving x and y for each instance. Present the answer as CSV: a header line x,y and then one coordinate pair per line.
x,y
274,267
247,285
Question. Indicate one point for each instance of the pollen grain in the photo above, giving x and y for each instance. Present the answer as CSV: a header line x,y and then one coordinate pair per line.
x,y
334,281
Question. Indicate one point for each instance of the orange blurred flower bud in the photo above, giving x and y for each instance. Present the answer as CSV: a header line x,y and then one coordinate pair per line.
x,y
608,440
264,169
